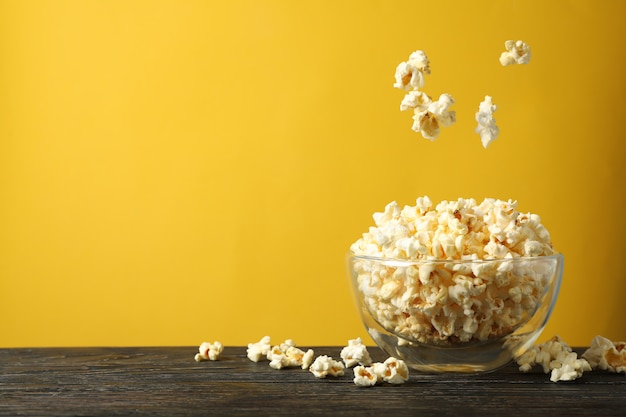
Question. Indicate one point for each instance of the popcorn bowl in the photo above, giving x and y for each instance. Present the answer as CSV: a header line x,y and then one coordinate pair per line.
x,y
455,315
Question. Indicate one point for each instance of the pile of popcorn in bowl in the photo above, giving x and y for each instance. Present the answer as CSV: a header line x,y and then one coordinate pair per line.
x,y
458,286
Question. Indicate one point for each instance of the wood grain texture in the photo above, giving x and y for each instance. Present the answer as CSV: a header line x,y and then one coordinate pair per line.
x,y
166,381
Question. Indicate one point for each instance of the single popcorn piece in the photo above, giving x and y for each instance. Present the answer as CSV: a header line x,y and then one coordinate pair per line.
x,y
410,74
606,355
556,358
487,128
259,350
365,376
325,365
429,120
393,371
209,351
355,353
517,52
445,303
397,371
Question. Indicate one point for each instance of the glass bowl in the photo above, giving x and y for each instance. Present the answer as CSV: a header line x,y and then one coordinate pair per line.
x,y
455,316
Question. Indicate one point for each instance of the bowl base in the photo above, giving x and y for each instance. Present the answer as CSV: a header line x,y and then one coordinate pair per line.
x,y
476,358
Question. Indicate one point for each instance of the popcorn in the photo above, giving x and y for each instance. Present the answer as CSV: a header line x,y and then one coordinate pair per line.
x,y
487,128
393,371
415,100
556,357
306,359
606,355
567,367
355,353
437,114
287,355
410,75
446,302
325,365
259,350
292,357
286,345
277,357
517,52
209,351
429,116
365,376
454,230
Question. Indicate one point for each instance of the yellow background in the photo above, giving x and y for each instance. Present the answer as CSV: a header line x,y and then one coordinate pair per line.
x,y
179,171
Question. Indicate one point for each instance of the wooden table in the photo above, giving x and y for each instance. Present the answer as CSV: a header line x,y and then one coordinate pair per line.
x,y
167,381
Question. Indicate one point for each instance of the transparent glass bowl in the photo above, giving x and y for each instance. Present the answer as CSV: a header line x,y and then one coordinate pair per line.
x,y
455,316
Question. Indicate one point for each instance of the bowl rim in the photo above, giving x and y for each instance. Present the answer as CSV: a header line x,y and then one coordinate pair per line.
x,y
406,262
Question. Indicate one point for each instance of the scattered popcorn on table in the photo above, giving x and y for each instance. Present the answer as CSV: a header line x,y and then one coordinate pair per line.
x,y
393,371
556,357
448,303
209,351
325,365
365,376
355,353
285,355
292,357
277,358
259,350
517,52
487,128
606,355
307,359
287,344
379,369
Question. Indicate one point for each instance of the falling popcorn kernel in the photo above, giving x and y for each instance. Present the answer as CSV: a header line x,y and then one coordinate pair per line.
x,y
429,116
517,52
410,74
437,114
487,128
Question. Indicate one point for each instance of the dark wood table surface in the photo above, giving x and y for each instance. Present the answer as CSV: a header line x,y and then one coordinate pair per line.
x,y
166,381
